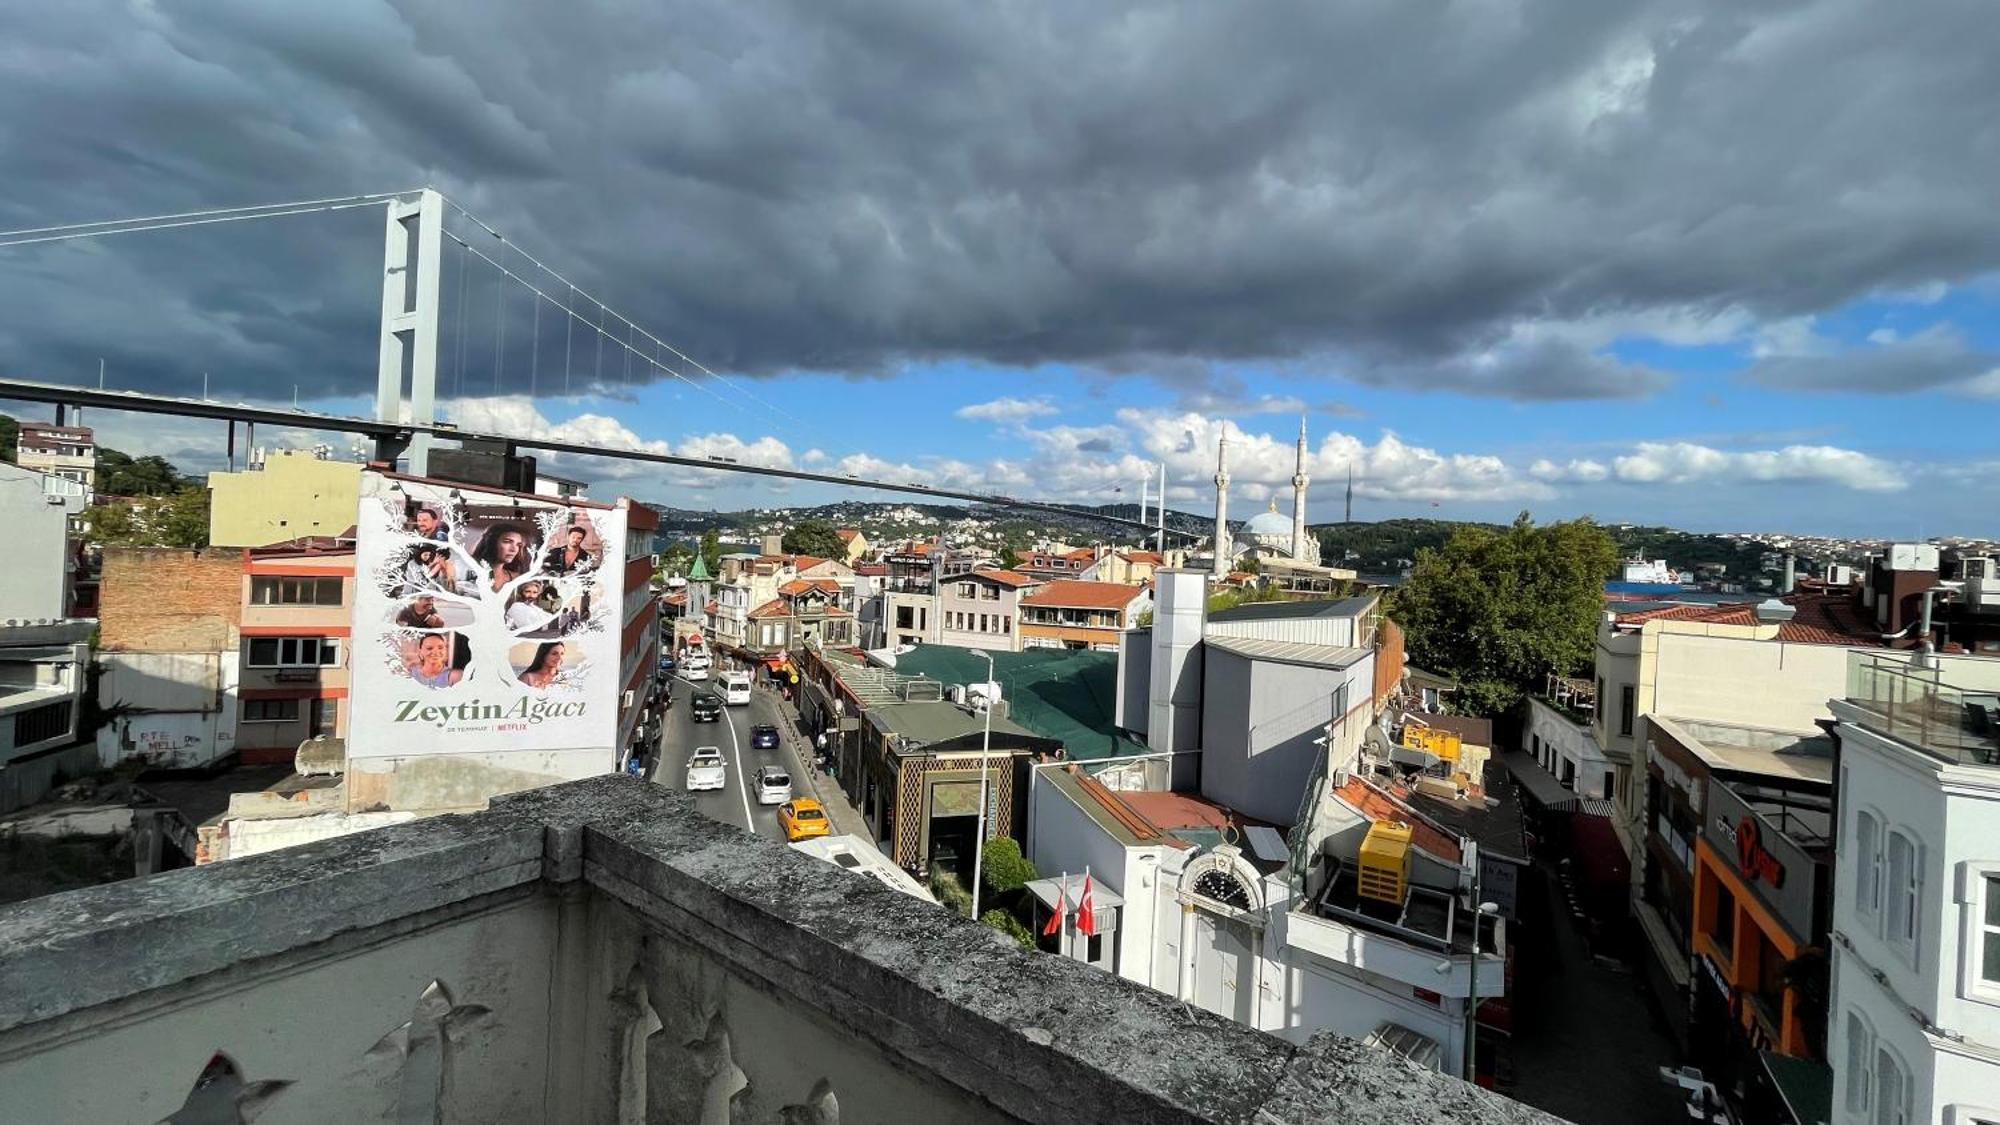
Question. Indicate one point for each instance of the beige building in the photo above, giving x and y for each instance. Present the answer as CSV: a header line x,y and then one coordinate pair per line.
x,y
1126,568
856,543
69,452
982,609
285,494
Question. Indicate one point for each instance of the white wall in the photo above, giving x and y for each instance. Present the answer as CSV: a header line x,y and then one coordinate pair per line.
x,y
1767,684
1563,741
1063,838
37,585
1953,812
177,709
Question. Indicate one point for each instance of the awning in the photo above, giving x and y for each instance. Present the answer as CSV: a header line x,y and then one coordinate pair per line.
x,y
1596,807
1805,1086
1046,890
1539,783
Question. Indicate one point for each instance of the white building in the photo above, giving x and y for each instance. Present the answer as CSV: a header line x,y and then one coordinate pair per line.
x,y
36,508
1561,743
1914,1019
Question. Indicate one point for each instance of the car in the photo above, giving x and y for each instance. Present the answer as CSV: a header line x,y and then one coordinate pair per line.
x,y
694,671
802,818
705,770
764,737
666,663
706,708
774,786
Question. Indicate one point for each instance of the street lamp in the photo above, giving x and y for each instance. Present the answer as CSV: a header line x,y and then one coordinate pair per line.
x,y
985,745
1486,910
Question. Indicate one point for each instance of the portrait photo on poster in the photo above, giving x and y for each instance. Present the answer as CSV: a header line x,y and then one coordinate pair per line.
x,y
425,609
546,666
433,660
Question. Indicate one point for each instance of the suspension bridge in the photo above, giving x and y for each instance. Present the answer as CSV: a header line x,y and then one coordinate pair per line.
x,y
430,339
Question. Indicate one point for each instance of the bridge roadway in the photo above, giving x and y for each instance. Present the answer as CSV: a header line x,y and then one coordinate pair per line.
x,y
396,435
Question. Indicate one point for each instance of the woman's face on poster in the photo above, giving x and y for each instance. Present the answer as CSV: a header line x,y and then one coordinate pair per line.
x,y
432,652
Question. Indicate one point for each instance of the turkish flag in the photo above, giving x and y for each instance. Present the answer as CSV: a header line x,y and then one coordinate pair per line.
x,y
1055,919
1086,916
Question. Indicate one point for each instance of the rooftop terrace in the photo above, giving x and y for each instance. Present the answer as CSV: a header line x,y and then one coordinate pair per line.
x,y
598,951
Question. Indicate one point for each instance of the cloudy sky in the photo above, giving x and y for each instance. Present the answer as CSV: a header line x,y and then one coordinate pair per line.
x,y
1725,265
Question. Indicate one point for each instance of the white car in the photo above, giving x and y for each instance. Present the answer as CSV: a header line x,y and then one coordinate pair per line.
x,y
774,786
694,671
705,770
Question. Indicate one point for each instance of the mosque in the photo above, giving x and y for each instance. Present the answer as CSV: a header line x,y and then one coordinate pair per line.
x,y
1284,550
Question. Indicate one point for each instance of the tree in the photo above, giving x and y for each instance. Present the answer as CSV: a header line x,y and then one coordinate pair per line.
x,y
1003,868
711,551
815,537
177,520
120,474
1500,609
1010,558
1011,926
1250,564
675,562
10,437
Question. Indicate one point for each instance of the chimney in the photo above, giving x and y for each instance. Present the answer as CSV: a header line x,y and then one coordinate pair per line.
x,y
1791,575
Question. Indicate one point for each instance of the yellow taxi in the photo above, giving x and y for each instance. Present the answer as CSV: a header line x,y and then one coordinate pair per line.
x,y
802,818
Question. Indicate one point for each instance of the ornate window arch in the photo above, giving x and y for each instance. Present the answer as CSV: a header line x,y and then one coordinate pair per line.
x,y
1223,879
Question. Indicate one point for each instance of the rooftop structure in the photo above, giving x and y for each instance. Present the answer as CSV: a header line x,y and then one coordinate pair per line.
x,y
598,951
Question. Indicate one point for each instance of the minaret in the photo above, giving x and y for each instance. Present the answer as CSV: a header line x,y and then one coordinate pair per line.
x,y
1350,492
1221,567
1299,481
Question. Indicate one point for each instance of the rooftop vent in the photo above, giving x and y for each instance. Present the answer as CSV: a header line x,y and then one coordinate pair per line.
x,y
1771,611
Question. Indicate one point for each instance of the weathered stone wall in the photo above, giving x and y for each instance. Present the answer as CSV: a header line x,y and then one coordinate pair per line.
x,y
169,599
599,952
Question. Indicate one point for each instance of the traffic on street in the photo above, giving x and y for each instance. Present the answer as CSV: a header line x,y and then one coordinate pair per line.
x,y
756,744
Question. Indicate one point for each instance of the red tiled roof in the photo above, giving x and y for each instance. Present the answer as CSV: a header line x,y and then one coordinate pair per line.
x,y
1169,811
679,597
799,586
846,534
1377,805
1083,595
1819,618
1150,557
1081,554
806,562
1003,577
776,607
711,607
871,569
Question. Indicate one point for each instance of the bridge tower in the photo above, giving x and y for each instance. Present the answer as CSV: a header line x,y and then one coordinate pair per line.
x,y
413,263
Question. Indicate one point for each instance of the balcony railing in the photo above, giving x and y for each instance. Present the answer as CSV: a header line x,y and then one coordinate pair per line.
x,y
1915,706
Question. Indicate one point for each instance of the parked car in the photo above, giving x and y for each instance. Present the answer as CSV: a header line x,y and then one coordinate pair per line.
x,y
764,737
706,708
705,770
774,786
666,662
803,818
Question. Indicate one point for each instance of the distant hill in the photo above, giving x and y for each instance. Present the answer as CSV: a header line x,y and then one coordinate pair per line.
x,y
1387,546
1383,546
883,521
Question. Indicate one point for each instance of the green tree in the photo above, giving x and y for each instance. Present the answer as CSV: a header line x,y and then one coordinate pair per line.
x,y
815,537
120,474
1250,564
10,437
711,551
1500,609
177,520
1003,868
1010,557
1007,924
675,561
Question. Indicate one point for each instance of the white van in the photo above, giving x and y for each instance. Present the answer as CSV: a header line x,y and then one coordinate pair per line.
x,y
736,688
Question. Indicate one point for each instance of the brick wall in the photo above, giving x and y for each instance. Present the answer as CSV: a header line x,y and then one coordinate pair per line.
x,y
170,599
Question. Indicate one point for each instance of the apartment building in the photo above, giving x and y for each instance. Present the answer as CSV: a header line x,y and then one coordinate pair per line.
x,y
1088,615
1914,1034
69,452
1125,567
806,612
39,511
283,495
296,620
1057,563
982,609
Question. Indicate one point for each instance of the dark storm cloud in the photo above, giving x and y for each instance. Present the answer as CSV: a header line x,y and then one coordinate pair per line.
x,y
1397,194
1936,357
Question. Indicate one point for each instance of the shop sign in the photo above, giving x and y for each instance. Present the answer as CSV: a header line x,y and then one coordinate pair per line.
x,y
1753,858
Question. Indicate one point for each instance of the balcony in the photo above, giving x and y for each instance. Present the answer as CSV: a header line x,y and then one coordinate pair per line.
x,y
1959,724
599,951
1426,942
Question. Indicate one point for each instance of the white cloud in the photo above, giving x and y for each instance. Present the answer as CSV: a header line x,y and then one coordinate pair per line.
x,y
1688,463
1583,471
1008,410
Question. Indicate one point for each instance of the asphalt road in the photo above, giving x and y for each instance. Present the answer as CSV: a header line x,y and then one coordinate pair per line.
x,y
736,802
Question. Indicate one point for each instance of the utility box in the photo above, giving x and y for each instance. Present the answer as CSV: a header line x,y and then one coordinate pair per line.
x,y
1384,874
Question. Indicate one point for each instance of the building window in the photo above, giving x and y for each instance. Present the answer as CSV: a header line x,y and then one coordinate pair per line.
x,y
1905,884
1006,625
270,710
1868,868
50,720
1860,1046
295,591
1892,1090
1724,933
1625,709
294,652
1600,694
1989,930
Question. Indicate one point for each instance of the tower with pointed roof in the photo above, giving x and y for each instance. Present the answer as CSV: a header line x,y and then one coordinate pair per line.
x,y
1220,568
1299,481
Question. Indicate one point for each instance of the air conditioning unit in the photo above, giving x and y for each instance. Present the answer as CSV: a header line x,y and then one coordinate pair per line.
x,y
626,700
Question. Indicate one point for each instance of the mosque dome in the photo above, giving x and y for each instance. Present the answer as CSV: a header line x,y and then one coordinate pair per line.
x,y
1269,523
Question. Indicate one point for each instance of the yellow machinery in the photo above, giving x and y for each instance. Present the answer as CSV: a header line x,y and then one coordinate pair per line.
x,y
1384,873
1438,743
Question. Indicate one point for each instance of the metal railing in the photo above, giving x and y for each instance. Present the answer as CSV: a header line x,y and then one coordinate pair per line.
x,y
1915,706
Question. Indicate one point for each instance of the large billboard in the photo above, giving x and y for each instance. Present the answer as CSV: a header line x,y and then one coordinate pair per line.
x,y
483,622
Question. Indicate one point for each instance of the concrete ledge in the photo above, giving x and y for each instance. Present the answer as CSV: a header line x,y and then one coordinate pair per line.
x,y
67,952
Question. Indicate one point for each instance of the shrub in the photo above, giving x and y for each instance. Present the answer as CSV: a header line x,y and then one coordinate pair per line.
x,y
1011,926
1004,869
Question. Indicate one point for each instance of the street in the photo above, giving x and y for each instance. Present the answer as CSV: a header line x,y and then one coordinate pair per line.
x,y
735,803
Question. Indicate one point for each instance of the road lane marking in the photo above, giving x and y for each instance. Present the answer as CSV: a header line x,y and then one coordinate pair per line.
x,y
742,782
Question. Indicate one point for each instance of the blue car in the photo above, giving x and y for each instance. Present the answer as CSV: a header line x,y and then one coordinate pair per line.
x,y
764,738
666,663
